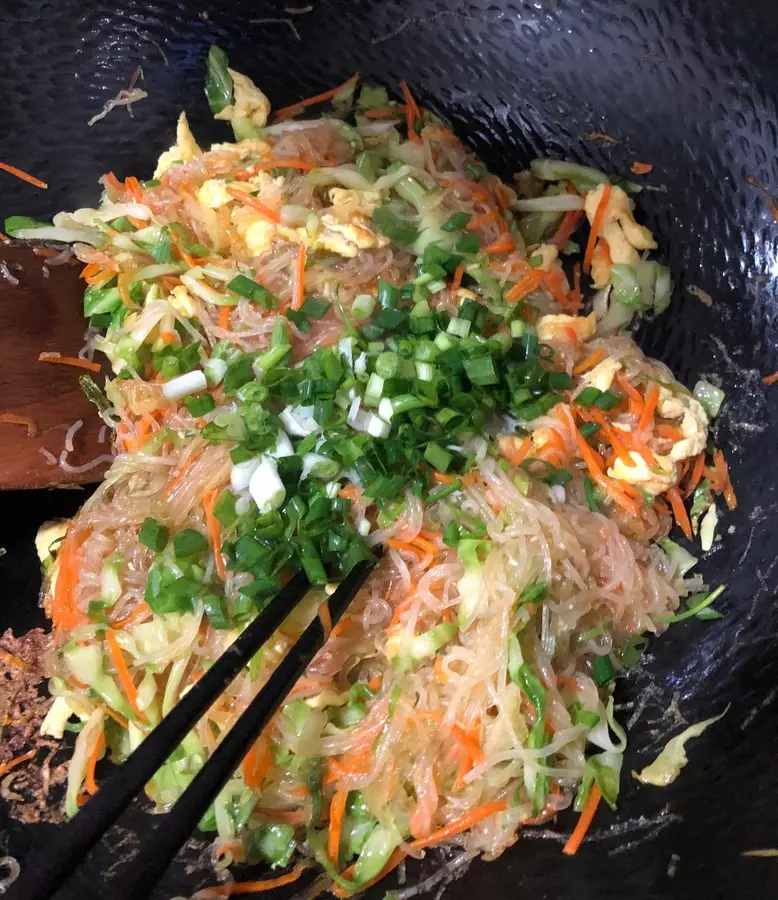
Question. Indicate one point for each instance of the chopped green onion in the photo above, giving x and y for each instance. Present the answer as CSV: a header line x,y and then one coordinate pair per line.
x,y
363,307
188,542
254,291
199,406
394,227
603,670
467,243
457,221
153,534
437,457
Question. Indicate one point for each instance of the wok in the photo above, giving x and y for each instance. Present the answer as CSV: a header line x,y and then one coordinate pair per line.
x,y
687,86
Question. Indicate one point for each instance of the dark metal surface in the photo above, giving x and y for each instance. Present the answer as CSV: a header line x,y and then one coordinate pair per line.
x,y
688,86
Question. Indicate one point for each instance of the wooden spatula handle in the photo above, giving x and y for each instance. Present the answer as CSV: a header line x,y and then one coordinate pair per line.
x,y
43,313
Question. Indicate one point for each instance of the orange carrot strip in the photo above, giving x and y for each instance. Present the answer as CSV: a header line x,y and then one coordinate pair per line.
x,y
123,672
64,613
14,419
584,822
394,860
596,469
407,548
461,824
120,720
133,188
325,618
504,244
590,362
170,337
770,379
483,219
722,474
69,361
178,476
112,183
215,532
411,112
599,216
652,398
299,283
567,226
288,111
251,887
425,545
696,476
456,281
265,211
386,112
25,176
524,286
679,511
256,763
515,455
337,811
443,479
89,783
641,168
224,318
16,761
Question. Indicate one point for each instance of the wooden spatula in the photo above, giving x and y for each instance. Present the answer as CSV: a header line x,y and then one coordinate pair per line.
x,y
42,313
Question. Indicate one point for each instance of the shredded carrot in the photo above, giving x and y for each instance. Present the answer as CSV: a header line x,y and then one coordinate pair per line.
x,y
636,399
723,479
596,467
652,398
170,337
438,672
133,188
179,474
25,176
64,613
461,824
69,361
251,887
112,183
770,379
120,720
265,211
224,318
215,532
288,111
14,419
456,281
16,761
299,282
425,545
337,811
405,547
696,475
567,226
286,162
123,672
441,478
95,275
256,763
89,782
594,233
412,113
584,822
504,244
482,219
138,613
590,362
386,112
641,168
679,511
394,860
515,455
349,493
524,286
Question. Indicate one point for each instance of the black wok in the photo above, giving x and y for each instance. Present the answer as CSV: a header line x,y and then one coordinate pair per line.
x,y
688,86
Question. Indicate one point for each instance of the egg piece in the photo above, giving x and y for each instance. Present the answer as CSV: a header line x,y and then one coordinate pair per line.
x,y
654,480
348,238
350,201
248,102
602,375
185,148
548,254
213,193
694,422
557,327
182,301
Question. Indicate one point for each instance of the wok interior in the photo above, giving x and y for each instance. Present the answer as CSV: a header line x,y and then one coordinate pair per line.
x,y
688,93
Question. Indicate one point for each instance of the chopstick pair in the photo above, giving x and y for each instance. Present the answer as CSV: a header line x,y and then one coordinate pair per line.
x,y
45,873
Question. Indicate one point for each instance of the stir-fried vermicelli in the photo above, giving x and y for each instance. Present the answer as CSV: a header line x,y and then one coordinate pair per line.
x,y
339,333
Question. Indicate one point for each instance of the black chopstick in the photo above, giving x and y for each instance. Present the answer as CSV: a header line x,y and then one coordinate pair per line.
x,y
46,871
169,834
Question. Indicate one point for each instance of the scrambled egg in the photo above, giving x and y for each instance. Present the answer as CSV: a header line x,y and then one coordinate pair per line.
x,y
548,254
185,148
557,328
247,147
182,301
619,229
602,375
693,427
349,202
213,193
47,539
248,102
348,238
